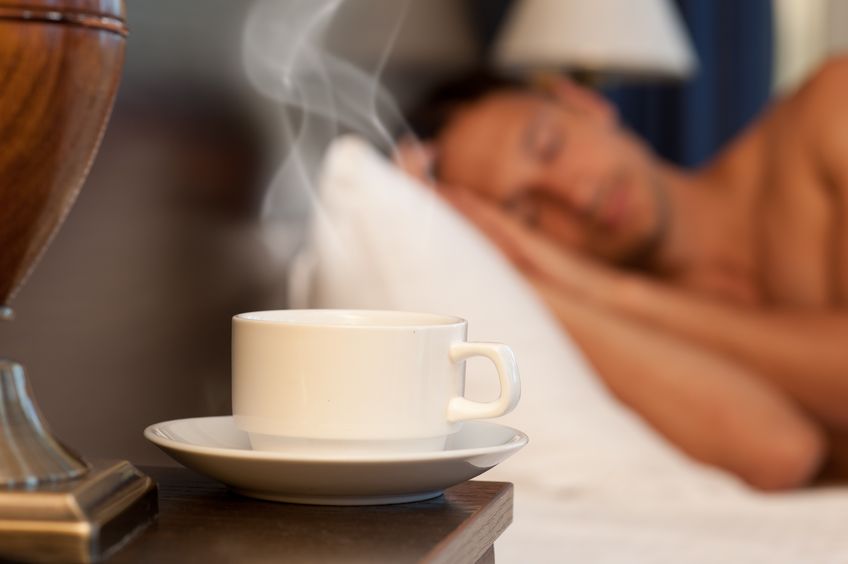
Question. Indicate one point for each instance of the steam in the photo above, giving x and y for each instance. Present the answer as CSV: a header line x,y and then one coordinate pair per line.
x,y
287,60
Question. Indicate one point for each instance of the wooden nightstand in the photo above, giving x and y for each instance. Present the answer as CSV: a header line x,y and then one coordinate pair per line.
x,y
201,521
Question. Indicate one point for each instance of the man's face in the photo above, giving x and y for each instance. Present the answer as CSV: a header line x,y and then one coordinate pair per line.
x,y
567,169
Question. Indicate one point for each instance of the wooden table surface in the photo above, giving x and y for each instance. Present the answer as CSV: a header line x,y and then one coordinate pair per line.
x,y
201,521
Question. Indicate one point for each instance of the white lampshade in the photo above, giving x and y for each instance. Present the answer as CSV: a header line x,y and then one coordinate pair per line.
x,y
627,37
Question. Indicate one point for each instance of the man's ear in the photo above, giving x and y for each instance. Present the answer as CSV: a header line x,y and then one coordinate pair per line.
x,y
583,100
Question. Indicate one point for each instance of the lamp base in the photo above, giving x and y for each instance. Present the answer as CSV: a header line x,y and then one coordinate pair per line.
x,y
80,520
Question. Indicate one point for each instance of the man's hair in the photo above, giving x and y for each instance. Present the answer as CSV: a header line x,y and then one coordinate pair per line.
x,y
437,108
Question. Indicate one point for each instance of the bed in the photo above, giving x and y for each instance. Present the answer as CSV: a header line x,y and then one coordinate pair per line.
x,y
595,484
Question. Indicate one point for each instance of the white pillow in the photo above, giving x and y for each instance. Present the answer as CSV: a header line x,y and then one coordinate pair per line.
x,y
381,240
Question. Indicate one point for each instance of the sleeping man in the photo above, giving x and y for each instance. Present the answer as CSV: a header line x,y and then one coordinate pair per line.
x,y
713,302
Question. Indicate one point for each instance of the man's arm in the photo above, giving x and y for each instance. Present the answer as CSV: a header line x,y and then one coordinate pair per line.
x,y
805,354
712,408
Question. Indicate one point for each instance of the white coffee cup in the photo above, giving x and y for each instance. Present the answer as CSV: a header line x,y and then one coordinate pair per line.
x,y
331,380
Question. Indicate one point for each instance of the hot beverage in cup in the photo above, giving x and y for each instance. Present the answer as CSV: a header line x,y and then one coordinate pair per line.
x,y
328,381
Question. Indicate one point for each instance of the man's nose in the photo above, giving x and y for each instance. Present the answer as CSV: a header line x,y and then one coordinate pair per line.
x,y
583,195
577,192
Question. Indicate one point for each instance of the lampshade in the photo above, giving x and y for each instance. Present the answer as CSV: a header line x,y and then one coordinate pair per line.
x,y
624,37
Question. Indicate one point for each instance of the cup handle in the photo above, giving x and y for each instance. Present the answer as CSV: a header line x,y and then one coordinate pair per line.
x,y
461,408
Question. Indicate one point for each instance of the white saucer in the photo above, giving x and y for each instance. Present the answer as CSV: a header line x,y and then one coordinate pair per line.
x,y
214,447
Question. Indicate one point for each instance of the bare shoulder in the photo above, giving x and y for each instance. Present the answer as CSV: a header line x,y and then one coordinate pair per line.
x,y
821,118
831,78
821,96
819,111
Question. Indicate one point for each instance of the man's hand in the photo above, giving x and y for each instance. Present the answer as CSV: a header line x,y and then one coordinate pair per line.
x,y
538,258
535,255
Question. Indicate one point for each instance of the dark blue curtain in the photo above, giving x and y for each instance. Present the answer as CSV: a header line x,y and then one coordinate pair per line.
x,y
689,122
